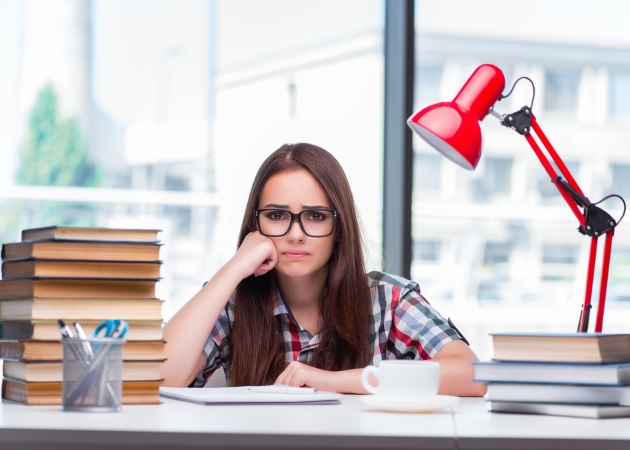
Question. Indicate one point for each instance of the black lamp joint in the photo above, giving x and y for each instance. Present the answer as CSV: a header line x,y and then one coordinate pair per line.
x,y
520,121
596,222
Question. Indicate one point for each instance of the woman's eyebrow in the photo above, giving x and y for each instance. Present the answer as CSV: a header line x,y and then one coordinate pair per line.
x,y
275,205
304,207
316,207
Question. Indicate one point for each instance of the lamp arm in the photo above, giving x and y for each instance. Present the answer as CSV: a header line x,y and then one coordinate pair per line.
x,y
594,221
523,122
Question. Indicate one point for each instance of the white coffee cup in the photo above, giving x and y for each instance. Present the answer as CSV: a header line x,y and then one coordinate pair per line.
x,y
403,379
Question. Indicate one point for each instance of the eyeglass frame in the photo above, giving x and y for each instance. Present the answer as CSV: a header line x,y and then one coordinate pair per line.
x,y
296,217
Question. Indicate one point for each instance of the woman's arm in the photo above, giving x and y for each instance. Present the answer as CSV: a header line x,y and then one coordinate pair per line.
x,y
187,332
457,371
456,374
343,381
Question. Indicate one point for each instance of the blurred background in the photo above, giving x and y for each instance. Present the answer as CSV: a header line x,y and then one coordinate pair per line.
x,y
157,114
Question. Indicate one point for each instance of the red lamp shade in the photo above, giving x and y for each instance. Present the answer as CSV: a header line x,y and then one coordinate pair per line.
x,y
453,128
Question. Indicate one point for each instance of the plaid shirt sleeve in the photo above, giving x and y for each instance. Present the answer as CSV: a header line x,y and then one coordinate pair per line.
x,y
218,348
406,326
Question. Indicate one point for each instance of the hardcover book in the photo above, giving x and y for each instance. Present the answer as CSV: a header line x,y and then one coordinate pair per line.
x,y
139,330
77,288
568,373
59,268
30,350
90,250
49,393
551,409
569,347
78,309
40,371
90,233
559,393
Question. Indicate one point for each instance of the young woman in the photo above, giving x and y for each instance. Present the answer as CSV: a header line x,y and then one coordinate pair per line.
x,y
294,305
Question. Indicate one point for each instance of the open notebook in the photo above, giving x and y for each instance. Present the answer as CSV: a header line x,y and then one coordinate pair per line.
x,y
249,395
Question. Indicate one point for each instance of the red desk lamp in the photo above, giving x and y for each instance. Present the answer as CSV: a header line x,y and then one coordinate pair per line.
x,y
453,129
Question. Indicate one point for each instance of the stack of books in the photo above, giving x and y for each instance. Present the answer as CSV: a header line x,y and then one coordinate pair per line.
x,y
83,275
576,374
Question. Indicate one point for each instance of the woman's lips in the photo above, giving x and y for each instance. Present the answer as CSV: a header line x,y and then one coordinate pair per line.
x,y
295,254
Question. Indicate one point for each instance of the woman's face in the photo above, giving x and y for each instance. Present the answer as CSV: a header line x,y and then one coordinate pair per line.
x,y
299,255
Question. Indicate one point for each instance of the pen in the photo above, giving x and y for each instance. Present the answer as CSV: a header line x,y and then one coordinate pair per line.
x,y
66,333
282,389
87,348
65,330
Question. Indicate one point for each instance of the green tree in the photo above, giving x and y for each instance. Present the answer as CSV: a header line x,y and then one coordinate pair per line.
x,y
54,153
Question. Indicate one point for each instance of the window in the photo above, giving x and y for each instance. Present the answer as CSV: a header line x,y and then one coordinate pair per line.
x,y
621,180
559,262
171,106
427,82
619,284
559,254
497,254
493,276
619,94
495,179
561,89
488,292
498,251
427,172
544,186
426,251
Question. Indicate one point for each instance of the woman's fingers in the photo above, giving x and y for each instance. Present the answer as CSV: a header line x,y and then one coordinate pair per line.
x,y
257,254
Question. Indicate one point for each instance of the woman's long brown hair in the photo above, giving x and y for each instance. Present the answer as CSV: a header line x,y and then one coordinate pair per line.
x,y
345,304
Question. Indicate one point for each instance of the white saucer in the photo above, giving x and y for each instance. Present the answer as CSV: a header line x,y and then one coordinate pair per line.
x,y
410,405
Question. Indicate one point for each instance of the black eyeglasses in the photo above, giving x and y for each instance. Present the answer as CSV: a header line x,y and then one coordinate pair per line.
x,y
313,222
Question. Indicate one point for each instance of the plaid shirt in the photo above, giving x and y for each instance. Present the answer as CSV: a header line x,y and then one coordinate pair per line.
x,y
403,326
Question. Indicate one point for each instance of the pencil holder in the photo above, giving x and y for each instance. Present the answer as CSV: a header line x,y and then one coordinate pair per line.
x,y
92,374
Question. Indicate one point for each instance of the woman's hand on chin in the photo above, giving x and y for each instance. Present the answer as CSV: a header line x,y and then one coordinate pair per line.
x,y
257,255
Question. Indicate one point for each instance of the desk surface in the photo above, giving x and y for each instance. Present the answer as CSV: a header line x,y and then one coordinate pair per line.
x,y
351,424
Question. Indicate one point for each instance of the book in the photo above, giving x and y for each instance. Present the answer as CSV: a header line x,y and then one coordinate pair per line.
x,y
569,347
90,233
558,393
553,409
246,395
77,288
40,371
49,393
31,350
81,308
48,329
51,268
90,250
578,373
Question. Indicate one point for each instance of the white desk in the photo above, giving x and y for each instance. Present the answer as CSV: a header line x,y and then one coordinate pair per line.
x,y
350,425
176,424
475,428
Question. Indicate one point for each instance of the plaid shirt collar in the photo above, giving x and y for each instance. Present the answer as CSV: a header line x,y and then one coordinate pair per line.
x,y
282,311
279,307
302,341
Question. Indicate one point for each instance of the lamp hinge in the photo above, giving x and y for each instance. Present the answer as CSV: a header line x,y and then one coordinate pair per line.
x,y
596,222
520,121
